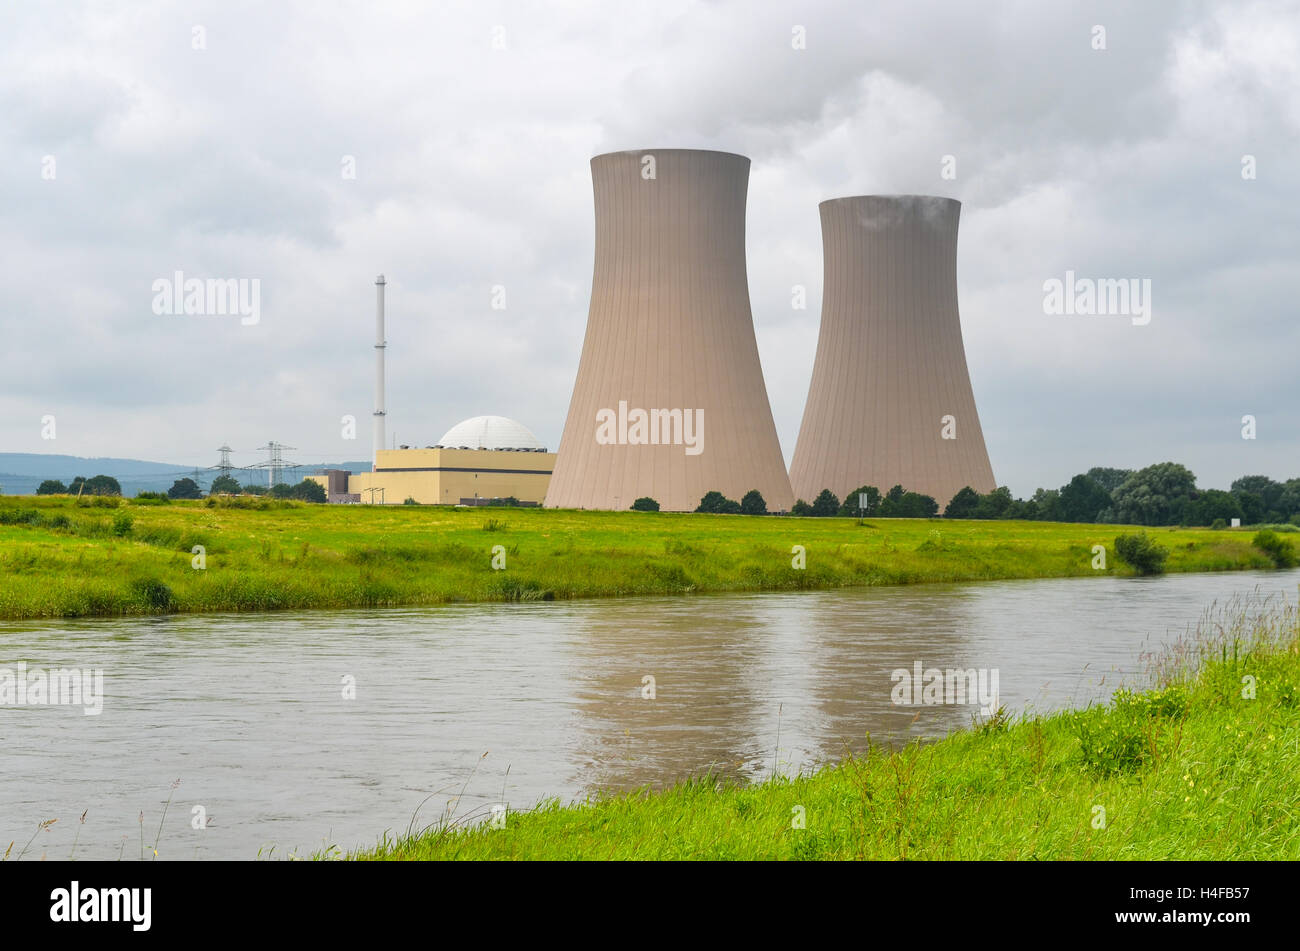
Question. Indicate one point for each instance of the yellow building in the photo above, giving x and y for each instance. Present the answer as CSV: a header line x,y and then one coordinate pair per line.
x,y
484,458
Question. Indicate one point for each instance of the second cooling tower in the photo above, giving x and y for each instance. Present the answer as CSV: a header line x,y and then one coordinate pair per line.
x,y
890,401
669,400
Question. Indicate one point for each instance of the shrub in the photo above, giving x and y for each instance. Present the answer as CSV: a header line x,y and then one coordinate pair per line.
x,y
826,504
409,501
963,505
51,487
154,593
718,504
801,508
1279,550
122,523
645,504
185,489
309,490
152,498
1141,553
753,503
1218,524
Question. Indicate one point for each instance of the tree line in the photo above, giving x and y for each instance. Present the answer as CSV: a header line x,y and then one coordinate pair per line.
x,y
1161,494
308,490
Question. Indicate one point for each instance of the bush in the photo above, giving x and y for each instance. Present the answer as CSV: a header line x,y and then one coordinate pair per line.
x,y
1279,550
51,487
826,504
1141,553
185,489
309,490
851,507
963,505
753,503
224,485
122,523
1218,524
716,503
154,593
149,498
645,504
409,500
801,508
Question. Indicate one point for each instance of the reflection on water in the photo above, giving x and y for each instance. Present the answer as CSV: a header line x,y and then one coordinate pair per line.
x,y
248,711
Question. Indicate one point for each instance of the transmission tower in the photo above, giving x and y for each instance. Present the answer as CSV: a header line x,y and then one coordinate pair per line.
x,y
275,463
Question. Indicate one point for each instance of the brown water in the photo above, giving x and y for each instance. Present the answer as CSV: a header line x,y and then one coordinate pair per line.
x,y
248,710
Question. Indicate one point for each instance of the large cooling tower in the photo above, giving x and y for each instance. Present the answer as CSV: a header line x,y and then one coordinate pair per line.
x,y
890,380
669,401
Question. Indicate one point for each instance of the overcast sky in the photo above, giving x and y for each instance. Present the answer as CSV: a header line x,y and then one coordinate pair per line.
x,y
471,170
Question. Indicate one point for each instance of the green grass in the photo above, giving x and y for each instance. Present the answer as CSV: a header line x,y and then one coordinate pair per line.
x,y
59,558
1192,769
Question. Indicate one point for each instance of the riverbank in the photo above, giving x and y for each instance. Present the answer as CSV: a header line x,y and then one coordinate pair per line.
x,y
59,558
1204,766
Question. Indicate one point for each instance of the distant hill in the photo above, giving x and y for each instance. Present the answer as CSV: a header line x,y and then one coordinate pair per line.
x,y
22,472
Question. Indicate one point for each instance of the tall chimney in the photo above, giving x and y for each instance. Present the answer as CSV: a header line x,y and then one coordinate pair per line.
x,y
379,367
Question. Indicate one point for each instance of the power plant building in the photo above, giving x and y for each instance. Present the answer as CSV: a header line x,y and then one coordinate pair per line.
x,y
669,400
477,461
890,401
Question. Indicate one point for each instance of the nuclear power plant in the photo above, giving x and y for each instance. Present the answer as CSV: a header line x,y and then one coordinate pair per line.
x,y
890,401
669,400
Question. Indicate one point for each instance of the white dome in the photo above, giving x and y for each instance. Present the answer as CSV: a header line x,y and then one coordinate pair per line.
x,y
489,432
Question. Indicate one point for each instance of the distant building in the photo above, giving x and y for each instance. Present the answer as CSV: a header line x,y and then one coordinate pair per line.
x,y
477,461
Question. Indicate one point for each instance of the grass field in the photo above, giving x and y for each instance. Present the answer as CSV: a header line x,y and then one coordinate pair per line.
x,y
62,558
1205,766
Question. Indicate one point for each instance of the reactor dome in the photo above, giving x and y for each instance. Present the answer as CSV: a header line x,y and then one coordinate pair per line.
x,y
491,432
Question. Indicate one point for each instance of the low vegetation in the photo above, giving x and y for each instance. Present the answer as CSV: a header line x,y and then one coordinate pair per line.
x,y
1205,765
64,557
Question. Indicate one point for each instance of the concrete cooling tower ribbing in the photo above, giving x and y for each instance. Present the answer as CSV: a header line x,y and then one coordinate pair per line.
x,y
890,401
669,400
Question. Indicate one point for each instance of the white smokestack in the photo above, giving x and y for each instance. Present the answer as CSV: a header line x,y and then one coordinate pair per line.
x,y
379,367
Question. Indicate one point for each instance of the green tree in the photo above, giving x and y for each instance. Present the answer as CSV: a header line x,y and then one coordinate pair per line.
x,y
224,484
1083,499
753,503
645,504
716,503
1210,506
994,504
254,489
916,505
51,487
282,490
309,490
1269,492
1108,479
963,505
1047,505
801,509
826,504
1155,495
852,504
103,485
185,489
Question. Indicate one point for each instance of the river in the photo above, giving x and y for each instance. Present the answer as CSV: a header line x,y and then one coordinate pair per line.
x,y
294,732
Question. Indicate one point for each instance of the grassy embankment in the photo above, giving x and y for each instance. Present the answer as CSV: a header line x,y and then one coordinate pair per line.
x,y
1194,769
59,558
